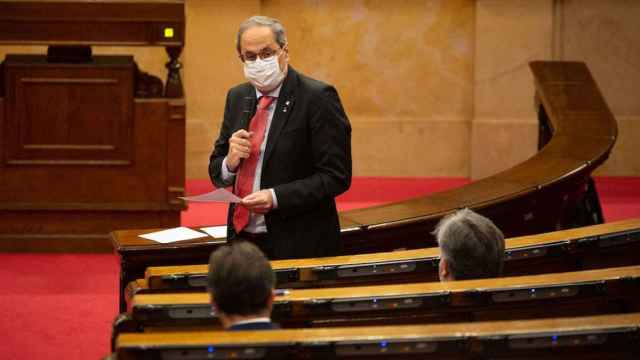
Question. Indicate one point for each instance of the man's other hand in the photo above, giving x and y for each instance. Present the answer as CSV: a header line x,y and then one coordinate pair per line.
x,y
239,148
259,202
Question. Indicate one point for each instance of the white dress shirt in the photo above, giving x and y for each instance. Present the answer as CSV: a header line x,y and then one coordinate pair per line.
x,y
256,221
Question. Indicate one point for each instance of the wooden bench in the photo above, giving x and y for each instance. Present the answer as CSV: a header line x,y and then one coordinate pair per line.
x,y
590,292
595,337
589,247
546,192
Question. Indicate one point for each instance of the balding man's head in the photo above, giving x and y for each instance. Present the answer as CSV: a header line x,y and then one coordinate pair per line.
x,y
471,246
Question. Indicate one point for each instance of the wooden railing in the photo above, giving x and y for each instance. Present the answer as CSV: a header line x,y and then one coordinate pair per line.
x,y
542,194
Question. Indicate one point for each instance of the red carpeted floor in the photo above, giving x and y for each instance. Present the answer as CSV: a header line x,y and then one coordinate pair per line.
x,y
61,306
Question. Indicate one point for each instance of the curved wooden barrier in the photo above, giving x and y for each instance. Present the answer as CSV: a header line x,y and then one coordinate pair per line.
x,y
539,195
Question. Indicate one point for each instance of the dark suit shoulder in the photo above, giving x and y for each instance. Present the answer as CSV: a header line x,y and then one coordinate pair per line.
x,y
313,85
318,94
321,95
244,89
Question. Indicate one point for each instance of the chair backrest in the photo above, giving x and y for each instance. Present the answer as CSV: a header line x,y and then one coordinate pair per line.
x,y
589,292
565,250
608,336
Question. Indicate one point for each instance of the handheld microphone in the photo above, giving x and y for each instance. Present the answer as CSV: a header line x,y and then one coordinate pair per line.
x,y
248,110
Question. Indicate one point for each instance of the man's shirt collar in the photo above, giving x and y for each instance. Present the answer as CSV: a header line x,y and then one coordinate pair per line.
x,y
274,93
254,320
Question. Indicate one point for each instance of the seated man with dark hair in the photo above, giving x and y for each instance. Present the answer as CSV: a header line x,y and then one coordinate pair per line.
x,y
241,284
471,247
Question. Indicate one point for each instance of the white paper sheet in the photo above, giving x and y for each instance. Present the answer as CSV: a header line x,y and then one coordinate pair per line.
x,y
216,232
218,195
173,235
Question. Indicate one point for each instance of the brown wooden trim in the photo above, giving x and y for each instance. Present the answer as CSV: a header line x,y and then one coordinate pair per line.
x,y
133,206
63,243
479,331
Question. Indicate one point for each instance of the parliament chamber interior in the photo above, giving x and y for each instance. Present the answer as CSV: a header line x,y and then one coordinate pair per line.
x,y
524,112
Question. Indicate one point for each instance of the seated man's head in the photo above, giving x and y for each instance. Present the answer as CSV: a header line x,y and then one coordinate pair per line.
x,y
241,283
471,246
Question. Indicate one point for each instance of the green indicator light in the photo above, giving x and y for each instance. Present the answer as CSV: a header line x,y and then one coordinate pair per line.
x,y
168,32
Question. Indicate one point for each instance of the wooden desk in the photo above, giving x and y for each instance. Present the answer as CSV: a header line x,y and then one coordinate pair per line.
x,y
566,250
590,247
594,337
614,290
136,253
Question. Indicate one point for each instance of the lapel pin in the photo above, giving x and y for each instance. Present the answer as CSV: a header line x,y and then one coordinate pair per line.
x,y
286,106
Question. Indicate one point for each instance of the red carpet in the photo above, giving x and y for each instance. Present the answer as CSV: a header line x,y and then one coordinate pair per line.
x,y
57,306
61,306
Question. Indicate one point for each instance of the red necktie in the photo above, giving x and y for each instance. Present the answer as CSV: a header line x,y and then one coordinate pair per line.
x,y
247,172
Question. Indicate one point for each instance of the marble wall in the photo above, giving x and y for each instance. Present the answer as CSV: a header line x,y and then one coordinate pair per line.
x,y
606,35
432,87
404,70
509,34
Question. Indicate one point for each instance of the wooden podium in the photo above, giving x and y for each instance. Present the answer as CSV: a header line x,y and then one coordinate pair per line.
x,y
88,144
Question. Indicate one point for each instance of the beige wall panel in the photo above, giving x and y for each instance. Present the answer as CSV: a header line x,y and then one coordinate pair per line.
x,y
200,138
410,147
606,35
211,67
624,160
4,50
509,34
390,60
500,145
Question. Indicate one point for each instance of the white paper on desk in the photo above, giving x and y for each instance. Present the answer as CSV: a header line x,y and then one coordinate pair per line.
x,y
216,232
218,195
172,235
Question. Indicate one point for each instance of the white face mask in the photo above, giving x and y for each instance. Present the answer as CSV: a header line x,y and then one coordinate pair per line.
x,y
264,74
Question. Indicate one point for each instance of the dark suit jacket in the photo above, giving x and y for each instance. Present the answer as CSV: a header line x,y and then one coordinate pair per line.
x,y
258,325
307,162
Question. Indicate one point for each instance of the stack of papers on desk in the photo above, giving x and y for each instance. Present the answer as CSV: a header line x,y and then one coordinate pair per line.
x,y
184,233
173,235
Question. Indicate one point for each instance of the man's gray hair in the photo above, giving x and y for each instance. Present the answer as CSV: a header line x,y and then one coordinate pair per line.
x,y
279,33
471,244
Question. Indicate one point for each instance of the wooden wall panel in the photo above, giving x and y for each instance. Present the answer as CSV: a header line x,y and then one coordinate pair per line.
x,y
143,181
60,116
90,143
74,208
176,138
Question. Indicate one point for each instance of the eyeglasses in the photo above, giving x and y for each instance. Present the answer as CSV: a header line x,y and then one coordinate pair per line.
x,y
263,55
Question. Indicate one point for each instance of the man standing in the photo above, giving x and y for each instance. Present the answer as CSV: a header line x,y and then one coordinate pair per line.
x,y
285,146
